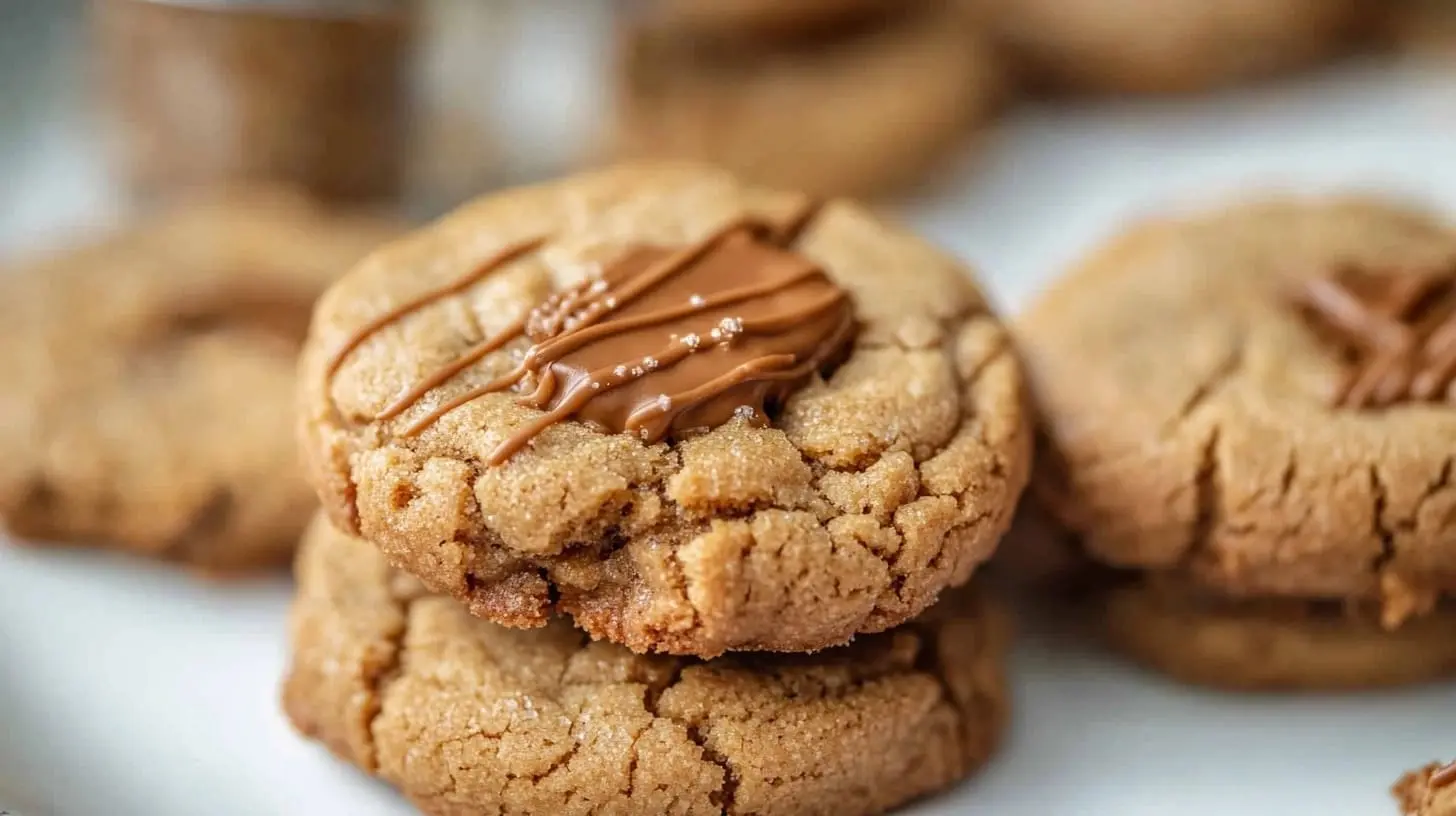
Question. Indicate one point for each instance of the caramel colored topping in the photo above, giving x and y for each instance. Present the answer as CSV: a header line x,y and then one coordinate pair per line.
x,y
1444,775
1398,331
667,340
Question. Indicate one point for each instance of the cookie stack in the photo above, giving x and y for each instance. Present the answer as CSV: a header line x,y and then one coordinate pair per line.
x,y
1248,415
615,469
834,97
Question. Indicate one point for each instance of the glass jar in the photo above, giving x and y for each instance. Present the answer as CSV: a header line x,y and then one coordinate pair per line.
x,y
208,93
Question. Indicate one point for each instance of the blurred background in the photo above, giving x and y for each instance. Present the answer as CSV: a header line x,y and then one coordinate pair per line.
x,y
1016,133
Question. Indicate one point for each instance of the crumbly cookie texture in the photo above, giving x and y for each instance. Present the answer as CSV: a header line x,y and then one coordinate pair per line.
x,y
149,378
1163,46
467,717
867,112
871,492
1188,414
1430,791
1287,645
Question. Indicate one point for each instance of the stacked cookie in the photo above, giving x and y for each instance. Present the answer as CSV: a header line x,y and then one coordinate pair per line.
x,y
613,470
1248,415
833,97
149,376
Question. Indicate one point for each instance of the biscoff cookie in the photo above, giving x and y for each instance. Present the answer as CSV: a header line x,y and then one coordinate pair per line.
x,y
1430,791
868,110
149,378
467,717
696,415
1158,46
1259,400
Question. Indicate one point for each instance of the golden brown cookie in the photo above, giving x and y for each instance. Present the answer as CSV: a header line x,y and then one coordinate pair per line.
x,y
868,110
1289,645
1164,46
1430,791
1259,400
467,717
897,447
149,379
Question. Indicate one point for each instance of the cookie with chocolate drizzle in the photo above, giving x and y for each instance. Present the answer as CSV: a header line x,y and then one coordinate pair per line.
x,y
697,415
1255,405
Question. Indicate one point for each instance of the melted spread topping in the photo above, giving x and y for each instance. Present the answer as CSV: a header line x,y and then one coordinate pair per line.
x,y
1444,775
661,341
1396,330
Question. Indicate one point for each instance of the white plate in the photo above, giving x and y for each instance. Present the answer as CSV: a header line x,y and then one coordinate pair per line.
x,y
129,689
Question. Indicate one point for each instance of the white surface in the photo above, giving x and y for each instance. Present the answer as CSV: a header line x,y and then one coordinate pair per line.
x,y
130,689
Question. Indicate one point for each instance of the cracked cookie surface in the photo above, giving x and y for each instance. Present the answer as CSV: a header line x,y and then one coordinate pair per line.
x,y
1429,791
1188,415
468,717
149,379
870,492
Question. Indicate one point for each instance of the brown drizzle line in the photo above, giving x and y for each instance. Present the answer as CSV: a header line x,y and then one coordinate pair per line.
x,y
1398,330
1444,775
661,341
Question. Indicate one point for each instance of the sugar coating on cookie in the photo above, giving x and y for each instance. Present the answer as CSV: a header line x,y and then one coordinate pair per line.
x,y
150,379
1429,791
467,717
886,475
1201,420
863,111
1165,46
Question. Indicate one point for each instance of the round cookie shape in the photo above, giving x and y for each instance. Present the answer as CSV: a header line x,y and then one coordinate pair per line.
x,y
1165,46
867,112
1189,401
467,717
1429,791
881,481
1290,645
150,375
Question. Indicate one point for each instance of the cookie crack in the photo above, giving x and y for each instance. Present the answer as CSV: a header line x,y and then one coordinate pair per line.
x,y
1208,499
1378,526
1231,363
382,678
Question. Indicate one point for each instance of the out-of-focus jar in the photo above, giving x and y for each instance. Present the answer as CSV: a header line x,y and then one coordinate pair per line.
x,y
208,93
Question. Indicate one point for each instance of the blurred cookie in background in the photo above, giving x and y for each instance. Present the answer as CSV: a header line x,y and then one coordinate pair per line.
x,y
1419,27
1164,46
149,381
852,109
1430,791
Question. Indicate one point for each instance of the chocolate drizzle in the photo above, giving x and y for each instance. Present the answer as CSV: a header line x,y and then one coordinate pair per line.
x,y
1444,775
661,341
1397,330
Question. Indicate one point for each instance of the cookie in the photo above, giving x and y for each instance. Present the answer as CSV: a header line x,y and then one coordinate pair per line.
x,y
1419,27
870,110
1157,46
1430,791
149,381
467,717
1218,401
1289,644
825,426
